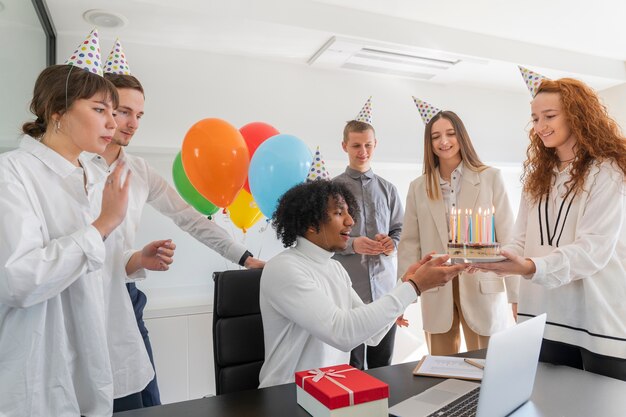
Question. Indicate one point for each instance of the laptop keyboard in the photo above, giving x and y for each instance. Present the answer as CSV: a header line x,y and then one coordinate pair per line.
x,y
464,406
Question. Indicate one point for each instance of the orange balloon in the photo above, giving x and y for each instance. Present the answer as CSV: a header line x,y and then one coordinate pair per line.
x,y
215,158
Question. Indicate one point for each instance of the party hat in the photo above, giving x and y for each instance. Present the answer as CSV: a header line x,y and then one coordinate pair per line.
x,y
318,169
532,79
87,55
427,110
116,62
365,115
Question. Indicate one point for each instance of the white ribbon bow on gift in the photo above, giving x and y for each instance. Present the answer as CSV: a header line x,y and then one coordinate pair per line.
x,y
318,374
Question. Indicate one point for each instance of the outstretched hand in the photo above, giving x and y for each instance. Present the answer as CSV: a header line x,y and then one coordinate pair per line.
x,y
431,272
158,255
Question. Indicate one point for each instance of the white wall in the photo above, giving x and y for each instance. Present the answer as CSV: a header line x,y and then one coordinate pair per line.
x,y
183,87
615,100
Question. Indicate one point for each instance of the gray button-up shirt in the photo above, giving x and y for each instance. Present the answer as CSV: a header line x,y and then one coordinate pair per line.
x,y
380,211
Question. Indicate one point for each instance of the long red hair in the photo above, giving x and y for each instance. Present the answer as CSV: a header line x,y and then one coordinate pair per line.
x,y
599,138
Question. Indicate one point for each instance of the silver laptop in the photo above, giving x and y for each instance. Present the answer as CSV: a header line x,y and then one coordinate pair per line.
x,y
507,382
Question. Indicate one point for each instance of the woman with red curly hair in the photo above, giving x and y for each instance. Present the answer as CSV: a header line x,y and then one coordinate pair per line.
x,y
570,235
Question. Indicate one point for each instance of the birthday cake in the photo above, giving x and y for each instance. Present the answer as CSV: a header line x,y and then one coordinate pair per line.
x,y
473,250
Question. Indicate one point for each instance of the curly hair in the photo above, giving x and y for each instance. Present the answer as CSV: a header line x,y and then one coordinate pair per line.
x,y
306,205
599,138
469,156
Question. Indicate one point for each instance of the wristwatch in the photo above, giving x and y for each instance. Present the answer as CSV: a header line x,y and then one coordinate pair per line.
x,y
246,255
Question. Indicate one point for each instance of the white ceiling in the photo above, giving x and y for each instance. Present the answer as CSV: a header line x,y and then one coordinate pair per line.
x,y
558,38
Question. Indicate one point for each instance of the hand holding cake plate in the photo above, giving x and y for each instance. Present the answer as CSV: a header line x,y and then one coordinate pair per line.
x,y
511,265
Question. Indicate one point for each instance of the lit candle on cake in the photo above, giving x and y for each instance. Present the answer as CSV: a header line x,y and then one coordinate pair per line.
x,y
473,237
471,228
479,234
465,228
493,224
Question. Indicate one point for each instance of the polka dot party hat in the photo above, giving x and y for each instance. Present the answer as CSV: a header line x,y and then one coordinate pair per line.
x,y
318,169
365,115
532,79
116,62
87,55
427,110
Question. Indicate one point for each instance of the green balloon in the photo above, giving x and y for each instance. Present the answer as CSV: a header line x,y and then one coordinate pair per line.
x,y
187,190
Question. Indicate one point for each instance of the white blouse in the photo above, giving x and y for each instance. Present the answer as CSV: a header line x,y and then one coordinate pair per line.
x,y
580,259
53,350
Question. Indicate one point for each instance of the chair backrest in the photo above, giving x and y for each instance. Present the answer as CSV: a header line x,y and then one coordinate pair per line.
x,y
238,347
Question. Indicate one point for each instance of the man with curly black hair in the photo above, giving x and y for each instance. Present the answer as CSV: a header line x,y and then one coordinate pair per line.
x,y
311,315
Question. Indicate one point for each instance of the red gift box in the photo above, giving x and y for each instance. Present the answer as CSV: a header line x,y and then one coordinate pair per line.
x,y
341,386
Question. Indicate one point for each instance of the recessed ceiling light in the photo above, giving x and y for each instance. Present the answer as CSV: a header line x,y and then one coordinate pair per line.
x,y
102,18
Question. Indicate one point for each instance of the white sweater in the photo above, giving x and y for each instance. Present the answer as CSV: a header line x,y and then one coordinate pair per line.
x,y
580,280
311,315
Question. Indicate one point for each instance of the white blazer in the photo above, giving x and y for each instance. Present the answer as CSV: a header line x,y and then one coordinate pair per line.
x,y
484,295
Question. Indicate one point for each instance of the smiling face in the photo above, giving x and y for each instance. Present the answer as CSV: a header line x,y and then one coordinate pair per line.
x,y
335,231
444,141
360,148
88,125
127,115
550,124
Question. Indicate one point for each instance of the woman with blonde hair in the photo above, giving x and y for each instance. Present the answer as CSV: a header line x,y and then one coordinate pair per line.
x,y
455,179
570,237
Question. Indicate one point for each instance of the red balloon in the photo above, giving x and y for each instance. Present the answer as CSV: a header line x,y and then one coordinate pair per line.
x,y
215,158
254,134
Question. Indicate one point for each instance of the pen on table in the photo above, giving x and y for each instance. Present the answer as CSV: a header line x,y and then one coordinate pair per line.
x,y
474,363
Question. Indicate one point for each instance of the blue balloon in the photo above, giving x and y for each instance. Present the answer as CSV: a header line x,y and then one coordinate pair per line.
x,y
278,164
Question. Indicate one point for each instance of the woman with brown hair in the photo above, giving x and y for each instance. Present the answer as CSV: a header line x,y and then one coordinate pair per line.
x,y
570,236
455,179
53,346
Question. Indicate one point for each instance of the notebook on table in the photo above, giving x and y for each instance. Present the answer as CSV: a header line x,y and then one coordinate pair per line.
x,y
507,383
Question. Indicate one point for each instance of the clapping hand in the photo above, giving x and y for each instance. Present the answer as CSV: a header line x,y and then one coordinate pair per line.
x,y
363,245
387,242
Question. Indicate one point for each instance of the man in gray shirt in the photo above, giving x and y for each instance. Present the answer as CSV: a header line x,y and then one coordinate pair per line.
x,y
369,256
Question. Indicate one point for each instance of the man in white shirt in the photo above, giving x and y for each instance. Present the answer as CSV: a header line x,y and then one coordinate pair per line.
x,y
147,186
311,315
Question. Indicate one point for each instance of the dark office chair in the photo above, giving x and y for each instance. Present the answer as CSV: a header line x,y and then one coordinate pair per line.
x,y
238,347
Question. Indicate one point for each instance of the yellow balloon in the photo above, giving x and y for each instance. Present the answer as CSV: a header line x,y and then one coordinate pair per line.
x,y
244,212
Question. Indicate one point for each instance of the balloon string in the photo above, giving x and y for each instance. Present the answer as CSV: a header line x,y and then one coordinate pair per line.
x,y
262,230
232,230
